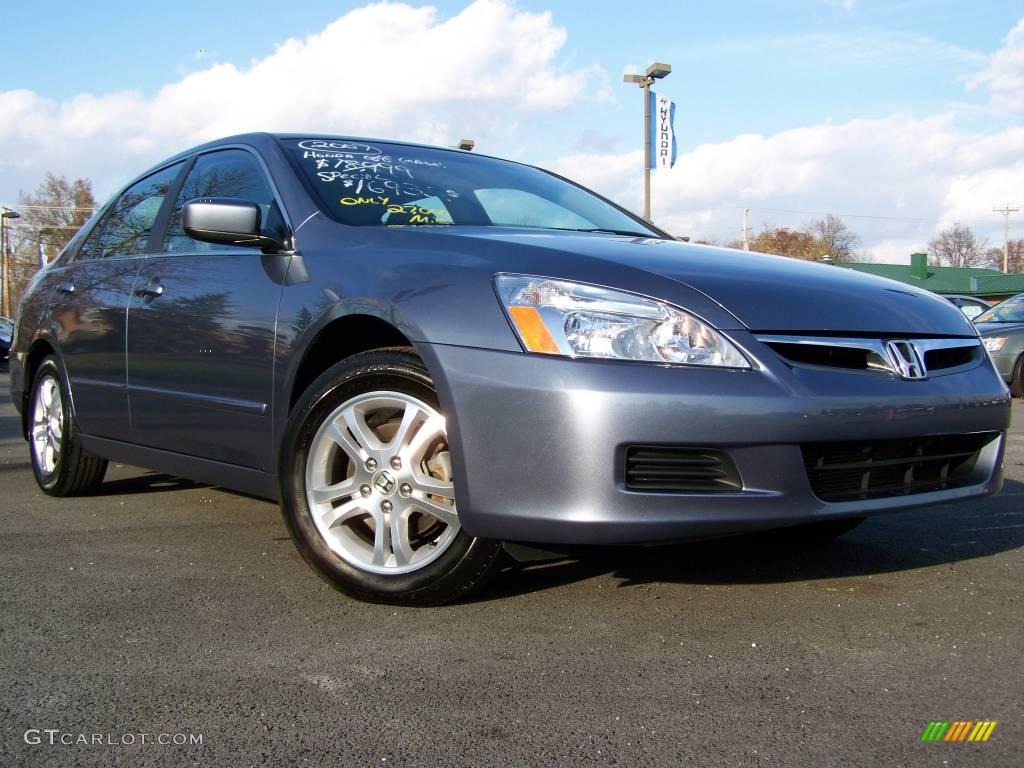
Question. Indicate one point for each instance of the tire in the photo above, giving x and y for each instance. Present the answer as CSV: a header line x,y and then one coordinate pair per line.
x,y
823,530
363,445
58,462
1017,381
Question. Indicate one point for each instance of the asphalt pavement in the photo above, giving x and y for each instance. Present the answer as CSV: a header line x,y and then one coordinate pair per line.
x,y
162,610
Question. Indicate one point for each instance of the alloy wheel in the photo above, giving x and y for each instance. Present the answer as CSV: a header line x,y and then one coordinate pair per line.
x,y
47,424
379,485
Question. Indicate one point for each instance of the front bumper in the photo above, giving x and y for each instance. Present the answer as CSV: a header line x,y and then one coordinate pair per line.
x,y
537,441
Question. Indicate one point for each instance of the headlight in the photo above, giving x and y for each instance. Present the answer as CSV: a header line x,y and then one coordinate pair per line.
x,y
557,317
994,344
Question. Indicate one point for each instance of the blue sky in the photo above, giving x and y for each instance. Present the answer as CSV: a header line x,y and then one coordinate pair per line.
x,y
739,68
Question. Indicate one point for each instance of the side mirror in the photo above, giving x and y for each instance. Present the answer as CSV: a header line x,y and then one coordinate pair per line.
x,y
227,221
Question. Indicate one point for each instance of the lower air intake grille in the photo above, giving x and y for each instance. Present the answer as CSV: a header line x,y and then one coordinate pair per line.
x,y
680,469
877,469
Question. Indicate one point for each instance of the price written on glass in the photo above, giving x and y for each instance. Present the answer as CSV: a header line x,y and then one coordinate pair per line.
x,y
417,214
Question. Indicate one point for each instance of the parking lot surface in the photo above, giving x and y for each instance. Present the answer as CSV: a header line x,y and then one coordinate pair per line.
x,y
164,608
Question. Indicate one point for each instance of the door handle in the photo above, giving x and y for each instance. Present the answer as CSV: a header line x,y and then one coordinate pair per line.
x,y
150,291
66,288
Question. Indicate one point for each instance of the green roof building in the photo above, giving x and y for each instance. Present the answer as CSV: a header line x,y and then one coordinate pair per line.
x,y
987,283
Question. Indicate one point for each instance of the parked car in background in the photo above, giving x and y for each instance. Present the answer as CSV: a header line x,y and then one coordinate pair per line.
x,y
971,306
1002,332
424,352
6,332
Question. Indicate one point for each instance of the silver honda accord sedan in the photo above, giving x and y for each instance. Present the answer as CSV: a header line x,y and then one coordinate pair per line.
x,y
424,353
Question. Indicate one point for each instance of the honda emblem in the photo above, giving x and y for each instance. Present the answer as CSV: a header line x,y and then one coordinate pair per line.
x,y
906,360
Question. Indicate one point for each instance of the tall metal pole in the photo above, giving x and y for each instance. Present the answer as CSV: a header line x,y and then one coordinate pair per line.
x,y
645,89
3,261
746,229
1006,210
654,72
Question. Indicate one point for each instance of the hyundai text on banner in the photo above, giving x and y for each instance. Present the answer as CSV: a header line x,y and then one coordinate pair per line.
x,y
663,136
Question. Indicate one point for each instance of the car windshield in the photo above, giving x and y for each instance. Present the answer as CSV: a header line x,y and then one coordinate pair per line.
x,y
389,184
1009,311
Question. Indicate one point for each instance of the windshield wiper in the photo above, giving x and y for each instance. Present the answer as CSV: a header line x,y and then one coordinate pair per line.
x,y
602,230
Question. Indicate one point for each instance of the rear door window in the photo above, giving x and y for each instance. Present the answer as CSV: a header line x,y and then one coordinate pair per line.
x,y
125,227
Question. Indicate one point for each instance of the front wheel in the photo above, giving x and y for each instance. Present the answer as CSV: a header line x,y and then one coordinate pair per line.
x,y
367,487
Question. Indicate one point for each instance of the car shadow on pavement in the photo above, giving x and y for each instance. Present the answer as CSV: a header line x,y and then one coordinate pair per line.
x,y
158,482
149,482
892,542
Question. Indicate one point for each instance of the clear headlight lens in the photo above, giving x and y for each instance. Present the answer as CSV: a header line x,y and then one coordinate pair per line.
x,y
994,344
558,317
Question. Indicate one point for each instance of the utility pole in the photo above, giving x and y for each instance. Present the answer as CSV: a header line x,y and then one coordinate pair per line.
x,y
1006,210
746,229
5,262
654,72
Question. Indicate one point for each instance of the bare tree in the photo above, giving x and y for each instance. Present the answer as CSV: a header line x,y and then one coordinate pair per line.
x,y
958,246
58,208
50,217
993,257
837,241
1015,254
783,241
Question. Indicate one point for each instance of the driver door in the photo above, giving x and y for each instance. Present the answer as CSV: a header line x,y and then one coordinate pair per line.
x,y
200,348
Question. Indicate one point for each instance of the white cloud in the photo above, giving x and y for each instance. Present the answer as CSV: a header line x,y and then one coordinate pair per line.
x,y
895,181
1004,76
391,69
386,69
895,251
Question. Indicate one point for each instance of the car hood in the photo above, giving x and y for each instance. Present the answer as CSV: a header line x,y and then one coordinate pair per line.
x,y
765,293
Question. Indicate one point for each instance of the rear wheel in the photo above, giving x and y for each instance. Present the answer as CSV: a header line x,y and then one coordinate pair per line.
x,y
60,466
367,486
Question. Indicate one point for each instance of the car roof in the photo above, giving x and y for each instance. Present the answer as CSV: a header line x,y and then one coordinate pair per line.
x,y
263,138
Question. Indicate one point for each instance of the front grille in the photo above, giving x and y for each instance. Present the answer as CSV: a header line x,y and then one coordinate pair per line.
x,y
830,356
680,469
953,357
877,469
870,354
